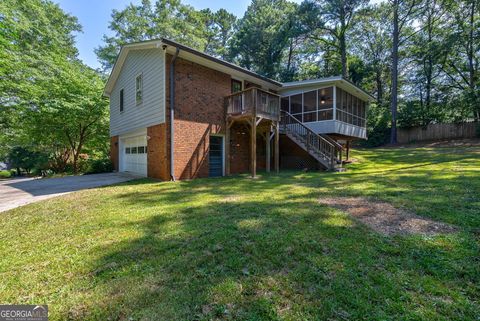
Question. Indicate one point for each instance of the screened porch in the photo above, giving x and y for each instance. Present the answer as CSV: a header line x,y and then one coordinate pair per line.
x,y
328,110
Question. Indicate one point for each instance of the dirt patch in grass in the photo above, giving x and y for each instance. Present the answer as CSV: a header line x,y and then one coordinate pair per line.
x,y
386,219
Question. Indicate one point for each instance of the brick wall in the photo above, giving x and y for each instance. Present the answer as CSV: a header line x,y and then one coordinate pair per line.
x,y
157,157
239,149
262,153
199,112
114,152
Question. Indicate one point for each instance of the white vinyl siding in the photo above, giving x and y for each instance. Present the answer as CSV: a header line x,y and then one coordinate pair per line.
x,y
150,64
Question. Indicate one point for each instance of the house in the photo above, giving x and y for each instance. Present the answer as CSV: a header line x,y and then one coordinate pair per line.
x,y
177,113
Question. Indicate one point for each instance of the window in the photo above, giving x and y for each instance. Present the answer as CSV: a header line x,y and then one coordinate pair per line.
x,y
121,100
285,104
127,150
310,101
236,86
309,117
141,149
325,98
325,114
139,89
296,104
350,109
134,150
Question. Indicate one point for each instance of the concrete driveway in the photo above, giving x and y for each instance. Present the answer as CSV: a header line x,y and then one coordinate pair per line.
x,y
22,191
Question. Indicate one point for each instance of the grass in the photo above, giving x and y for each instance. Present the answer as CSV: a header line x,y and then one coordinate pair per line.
x,y
241,249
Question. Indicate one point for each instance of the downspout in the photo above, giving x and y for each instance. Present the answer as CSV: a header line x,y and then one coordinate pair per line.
x,y
172,114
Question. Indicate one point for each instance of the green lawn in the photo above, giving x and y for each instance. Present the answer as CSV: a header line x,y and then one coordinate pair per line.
x,y
241,249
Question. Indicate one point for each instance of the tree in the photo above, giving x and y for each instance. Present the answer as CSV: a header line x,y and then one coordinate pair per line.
x,y
50,101
329,21
202,30
426,54
74,113
371,42
263,35
27,159
403,13
35,36
219,30
462,47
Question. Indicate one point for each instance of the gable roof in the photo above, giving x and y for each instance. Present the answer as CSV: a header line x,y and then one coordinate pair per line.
x,y
209,61
188,54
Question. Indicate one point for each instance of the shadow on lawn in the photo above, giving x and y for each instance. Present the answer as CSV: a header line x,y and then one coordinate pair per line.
x,y
234,256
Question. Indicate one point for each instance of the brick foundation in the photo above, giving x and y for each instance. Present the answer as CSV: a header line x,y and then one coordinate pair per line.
x,y
157,157
239,149
114,157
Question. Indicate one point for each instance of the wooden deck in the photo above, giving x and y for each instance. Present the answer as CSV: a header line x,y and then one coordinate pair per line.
x,y
260,111
253,102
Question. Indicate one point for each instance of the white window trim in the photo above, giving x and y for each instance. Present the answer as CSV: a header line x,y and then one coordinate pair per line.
x,y
139,102
120,100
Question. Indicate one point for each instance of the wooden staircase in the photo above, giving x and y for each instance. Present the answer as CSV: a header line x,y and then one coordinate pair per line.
x,y
321,147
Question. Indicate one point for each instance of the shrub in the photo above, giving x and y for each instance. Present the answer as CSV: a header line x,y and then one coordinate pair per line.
x,y
103,165
28,159
5,174
478,130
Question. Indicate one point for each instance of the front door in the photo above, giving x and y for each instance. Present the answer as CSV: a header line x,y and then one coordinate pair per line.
x,y
215,156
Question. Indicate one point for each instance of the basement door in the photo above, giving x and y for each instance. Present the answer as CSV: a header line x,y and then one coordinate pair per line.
x,y
135,155
215,156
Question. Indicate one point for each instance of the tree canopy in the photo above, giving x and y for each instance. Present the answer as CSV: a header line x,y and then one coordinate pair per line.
x,y
50,101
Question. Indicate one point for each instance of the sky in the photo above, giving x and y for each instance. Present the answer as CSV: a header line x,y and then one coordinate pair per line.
x,y
95,15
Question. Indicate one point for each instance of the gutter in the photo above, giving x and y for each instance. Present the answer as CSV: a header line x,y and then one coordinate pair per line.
x,y
172,114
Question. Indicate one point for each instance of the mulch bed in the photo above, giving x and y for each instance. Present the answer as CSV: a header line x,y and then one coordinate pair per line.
x,y
386,219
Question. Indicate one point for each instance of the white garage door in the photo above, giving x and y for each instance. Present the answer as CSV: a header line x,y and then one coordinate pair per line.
x,y
135,155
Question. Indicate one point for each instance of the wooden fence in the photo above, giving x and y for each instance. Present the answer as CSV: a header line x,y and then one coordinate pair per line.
x,y
437,132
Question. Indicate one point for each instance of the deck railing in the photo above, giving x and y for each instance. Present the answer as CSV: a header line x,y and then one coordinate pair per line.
x,y
254,101
325,150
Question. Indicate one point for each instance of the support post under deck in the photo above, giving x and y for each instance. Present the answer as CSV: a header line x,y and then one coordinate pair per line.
x,y
253,136
347,152
277,147
267,151
227,147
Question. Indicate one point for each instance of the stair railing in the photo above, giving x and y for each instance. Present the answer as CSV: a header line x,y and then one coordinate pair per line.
x,y
313,142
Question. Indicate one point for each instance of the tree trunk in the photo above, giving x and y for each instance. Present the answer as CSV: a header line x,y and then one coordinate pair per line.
x,y
429,69
394,98
343,53
471,64
290,53
378,80
75,163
